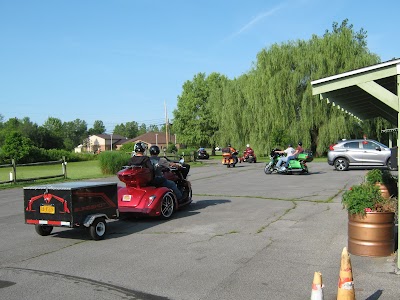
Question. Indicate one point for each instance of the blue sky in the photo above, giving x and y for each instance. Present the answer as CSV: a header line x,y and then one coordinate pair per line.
x,y
125,60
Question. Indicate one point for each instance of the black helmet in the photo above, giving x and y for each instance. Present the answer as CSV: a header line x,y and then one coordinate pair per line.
x,y
300,144
229,145
154,150
139,147
290,145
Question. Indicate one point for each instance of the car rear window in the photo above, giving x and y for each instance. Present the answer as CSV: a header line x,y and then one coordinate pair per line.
x,y
352,145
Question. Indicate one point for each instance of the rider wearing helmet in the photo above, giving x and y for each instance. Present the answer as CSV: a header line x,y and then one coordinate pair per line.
x,y
249,150
139,159
159,164
299,150
246,153
154,150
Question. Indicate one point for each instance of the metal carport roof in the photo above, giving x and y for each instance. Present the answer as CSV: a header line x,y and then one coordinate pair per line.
x,y
366,93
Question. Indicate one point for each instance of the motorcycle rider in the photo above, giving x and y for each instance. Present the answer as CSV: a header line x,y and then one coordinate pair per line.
x,y
139,159
231,149
288,151
299,150
159,164
246,153
249,150
186,167
233,153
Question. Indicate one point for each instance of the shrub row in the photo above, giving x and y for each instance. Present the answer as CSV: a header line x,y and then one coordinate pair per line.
x,y
113,161
41,155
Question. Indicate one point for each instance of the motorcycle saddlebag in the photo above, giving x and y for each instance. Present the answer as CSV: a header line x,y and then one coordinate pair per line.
x,y
306,156
135,176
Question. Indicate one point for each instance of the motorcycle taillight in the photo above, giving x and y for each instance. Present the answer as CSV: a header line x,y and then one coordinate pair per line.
x,y
331,147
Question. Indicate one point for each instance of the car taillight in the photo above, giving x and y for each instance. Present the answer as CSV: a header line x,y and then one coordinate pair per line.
x,y
331,147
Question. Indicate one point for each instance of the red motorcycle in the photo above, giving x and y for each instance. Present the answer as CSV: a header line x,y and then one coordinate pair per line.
x,y
140,198
249,156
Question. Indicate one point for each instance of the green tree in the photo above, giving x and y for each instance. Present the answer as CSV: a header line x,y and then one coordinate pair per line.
x,y
193,119
142,129
273,103
153,128
47,139
54,125
98,128
119,129
24,126
74,132
129,129
16,146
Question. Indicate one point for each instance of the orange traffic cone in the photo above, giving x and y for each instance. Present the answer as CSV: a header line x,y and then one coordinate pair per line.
x,y
346,284
317,286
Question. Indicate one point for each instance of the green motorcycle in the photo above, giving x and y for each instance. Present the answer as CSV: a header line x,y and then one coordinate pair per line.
x,y
296,166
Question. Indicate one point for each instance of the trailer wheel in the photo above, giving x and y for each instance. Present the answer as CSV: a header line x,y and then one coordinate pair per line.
x,y
43,230
98,229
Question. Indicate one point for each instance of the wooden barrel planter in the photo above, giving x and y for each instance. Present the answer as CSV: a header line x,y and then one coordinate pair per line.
x,y
372,234
385,191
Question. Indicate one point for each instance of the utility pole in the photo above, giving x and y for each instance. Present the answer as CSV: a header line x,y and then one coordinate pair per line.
x,y
166,124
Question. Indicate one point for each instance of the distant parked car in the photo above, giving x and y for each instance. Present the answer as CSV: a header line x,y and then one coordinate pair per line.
x,y
360,153
202,154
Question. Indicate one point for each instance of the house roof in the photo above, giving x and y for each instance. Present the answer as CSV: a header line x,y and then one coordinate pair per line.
x,y
116,138
108,136
152,138
365,93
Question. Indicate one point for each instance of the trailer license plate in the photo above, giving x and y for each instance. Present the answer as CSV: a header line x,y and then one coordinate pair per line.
x,y
47,209
126,198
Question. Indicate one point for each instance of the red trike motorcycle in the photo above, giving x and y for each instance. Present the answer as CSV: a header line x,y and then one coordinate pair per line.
x,y
140,198
249,156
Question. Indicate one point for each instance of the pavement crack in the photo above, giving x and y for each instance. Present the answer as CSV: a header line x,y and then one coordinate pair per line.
x,y
54,251
278,218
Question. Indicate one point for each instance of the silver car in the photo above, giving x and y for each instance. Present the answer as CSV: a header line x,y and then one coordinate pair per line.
x,y
362,152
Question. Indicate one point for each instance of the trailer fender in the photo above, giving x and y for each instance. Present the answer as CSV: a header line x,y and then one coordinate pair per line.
x,y
90,219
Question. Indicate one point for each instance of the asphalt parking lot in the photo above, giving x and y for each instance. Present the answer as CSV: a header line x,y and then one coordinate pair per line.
x,y
246,235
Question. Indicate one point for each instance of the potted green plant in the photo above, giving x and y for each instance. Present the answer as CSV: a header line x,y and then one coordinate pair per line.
x,y
386,182
374,175
370,220
361,198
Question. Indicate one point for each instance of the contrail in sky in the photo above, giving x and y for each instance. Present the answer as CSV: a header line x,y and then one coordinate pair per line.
x,y
255,21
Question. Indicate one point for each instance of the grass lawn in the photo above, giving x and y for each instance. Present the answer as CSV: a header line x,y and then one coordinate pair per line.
x,y
75,171
79,171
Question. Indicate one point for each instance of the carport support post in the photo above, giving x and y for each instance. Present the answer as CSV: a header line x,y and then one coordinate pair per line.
x,y
398,160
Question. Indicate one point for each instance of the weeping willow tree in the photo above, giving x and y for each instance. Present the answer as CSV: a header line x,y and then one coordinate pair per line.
x,y
272,105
